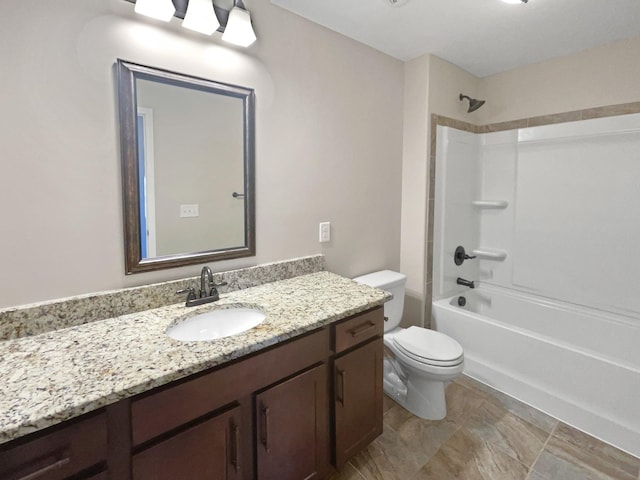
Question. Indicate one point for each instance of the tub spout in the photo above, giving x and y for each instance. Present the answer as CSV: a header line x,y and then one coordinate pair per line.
x,y
466,283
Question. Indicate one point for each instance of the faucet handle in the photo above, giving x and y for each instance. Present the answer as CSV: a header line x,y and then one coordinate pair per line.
x,y
214,289
190,291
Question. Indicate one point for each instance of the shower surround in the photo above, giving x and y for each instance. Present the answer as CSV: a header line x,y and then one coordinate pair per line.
x,y
548,211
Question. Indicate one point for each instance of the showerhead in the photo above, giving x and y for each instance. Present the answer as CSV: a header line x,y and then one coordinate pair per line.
x,y
473,103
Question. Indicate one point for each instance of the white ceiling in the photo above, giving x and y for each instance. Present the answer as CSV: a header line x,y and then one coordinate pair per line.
x,y
481,36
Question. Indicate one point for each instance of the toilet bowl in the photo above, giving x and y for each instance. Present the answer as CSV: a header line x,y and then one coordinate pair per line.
x,y
417,361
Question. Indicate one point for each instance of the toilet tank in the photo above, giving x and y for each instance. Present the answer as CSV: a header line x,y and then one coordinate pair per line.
x,y
392,282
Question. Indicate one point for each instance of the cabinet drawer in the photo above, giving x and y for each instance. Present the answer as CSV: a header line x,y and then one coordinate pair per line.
x,y
58,454
358,329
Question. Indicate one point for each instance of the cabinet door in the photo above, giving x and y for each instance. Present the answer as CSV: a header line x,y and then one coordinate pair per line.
x,y
358,400
292,424
207,451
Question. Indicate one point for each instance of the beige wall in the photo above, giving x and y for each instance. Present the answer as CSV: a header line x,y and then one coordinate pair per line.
x,y
329,141
606,75
414,176
446,83
432,85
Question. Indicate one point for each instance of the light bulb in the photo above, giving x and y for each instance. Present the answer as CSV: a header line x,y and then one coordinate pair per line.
x,y
239,30
201,17
158,9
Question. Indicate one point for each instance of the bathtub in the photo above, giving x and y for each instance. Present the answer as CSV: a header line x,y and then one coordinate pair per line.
x,y
577,364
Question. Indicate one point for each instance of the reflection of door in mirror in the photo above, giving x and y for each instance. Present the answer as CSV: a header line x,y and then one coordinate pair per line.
x,y
197,144
146,186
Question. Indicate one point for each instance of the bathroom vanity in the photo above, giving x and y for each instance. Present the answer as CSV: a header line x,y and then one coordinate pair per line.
x,y
286,400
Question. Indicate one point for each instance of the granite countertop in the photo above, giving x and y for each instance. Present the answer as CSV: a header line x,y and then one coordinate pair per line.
x,y
62,374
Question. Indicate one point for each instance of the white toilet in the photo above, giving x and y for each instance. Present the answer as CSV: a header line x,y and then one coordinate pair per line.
x,y
421,360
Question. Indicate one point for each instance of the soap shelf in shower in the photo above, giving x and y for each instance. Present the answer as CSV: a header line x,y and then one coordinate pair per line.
x,y
490,253
490,203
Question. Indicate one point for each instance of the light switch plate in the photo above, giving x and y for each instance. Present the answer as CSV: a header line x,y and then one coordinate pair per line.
x,y
189,211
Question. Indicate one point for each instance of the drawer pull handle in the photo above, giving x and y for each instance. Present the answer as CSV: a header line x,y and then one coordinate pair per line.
x,y
362,329
235,447
341,375
46,469
265,429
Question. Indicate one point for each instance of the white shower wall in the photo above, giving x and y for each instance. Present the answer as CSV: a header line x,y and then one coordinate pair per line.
x,y
457,164
498,155
563,211
572,232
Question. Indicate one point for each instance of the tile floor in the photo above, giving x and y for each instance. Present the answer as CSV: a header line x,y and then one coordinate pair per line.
x,y
486,436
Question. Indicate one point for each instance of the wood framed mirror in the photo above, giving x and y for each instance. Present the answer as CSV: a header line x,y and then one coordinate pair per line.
x,y
188,160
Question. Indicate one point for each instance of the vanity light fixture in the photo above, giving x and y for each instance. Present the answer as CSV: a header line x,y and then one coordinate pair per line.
x,y
203,16
239,30
158,9
514,2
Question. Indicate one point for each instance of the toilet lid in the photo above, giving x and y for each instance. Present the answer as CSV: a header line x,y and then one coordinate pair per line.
x,y
429,346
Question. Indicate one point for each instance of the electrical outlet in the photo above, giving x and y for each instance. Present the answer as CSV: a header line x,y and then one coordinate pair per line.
x,y
325,232
189,211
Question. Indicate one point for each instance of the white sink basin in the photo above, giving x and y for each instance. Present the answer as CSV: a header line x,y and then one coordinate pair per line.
x,y
216,324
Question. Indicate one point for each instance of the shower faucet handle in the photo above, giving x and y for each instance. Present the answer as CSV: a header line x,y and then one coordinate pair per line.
x,y
460,256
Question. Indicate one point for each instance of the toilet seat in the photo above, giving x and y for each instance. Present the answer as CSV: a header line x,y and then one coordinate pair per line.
x,y
429,347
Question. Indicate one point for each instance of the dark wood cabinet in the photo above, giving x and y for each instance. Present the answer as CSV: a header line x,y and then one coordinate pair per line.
x,y
357,400
267,416
357,383
209,450
57,453
292,428
274,424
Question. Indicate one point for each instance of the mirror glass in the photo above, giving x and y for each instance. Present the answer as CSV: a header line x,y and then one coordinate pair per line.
x,y
187,152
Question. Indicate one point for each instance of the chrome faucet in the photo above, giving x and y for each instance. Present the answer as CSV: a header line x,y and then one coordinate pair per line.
x,y
208,290
466,283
